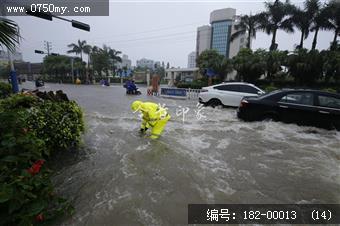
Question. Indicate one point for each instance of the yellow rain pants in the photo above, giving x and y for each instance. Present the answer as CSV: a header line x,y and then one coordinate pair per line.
x,y
155,117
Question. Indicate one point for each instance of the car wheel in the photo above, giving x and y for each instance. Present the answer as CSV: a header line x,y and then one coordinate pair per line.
x,y
214,103
270,117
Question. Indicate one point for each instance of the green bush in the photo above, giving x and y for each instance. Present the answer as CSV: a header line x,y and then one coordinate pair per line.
x,y
270,88
329,90
59,124
191,85
26,191
5,90
30,129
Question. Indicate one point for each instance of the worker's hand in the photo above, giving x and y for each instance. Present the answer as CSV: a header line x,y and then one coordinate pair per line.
x,y
143,130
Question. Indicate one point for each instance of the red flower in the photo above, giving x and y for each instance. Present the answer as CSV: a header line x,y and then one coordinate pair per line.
x,y
39,217
35,168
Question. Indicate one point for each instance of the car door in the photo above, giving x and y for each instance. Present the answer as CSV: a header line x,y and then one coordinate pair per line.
x,y
229,94
328,111
297,107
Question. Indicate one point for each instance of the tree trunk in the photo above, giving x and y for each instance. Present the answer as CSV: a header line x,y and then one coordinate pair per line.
x,y
335,36
87,71
273,45
301,39
315,38
248,39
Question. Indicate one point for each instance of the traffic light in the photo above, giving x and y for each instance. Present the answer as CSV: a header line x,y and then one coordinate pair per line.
x,y
46,16
39,51
80,25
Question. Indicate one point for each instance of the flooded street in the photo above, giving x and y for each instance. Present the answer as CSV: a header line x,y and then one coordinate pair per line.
x,y
124,178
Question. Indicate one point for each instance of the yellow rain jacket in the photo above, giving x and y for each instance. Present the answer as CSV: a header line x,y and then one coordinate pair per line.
x,y
155,117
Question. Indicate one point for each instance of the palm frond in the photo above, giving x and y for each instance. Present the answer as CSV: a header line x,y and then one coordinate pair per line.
x,y
9,34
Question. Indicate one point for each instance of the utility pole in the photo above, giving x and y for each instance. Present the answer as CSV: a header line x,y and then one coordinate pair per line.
x,y
48,47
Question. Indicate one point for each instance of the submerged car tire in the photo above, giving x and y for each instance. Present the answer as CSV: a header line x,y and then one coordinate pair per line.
x,y
214,103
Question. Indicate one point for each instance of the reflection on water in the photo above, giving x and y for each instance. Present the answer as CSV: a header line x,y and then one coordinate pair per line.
x,y
126,179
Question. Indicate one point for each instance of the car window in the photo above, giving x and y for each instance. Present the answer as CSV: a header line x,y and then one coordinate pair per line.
x,y
328,101
234,88
298,98
248,89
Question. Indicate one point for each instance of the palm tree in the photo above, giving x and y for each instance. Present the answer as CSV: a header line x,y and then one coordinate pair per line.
x,y
319,19
9,34
114,55
78,48
302,20
87,50
276,17
248,24
333,8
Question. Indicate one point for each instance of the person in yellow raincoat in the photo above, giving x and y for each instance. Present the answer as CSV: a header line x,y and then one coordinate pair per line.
x,y
154,116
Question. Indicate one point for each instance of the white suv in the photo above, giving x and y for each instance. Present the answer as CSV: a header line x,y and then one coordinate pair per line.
x,y
228,93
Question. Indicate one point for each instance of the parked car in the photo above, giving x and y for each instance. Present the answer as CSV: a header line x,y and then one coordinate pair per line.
x,y
304,107
228,93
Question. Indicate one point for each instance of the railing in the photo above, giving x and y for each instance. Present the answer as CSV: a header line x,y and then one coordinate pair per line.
x,y
180,93
193,93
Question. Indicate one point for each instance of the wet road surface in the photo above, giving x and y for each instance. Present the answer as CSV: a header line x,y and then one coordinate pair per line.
x,y
123,178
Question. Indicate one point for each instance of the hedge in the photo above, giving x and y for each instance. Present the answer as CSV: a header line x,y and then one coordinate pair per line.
x,y
31,129
5,90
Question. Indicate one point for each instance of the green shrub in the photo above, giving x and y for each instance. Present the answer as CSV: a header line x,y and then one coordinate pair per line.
x,y
18,101
270,88
330,90
5,90
26,191
192,85
30,130
59,124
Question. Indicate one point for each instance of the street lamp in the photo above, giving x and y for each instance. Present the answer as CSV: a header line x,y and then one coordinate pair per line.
x,y
49,16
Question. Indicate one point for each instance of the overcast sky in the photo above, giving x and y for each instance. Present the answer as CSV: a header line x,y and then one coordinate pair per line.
x,y
157,30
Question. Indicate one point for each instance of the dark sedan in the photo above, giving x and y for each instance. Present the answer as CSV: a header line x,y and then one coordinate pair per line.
x,y
304,107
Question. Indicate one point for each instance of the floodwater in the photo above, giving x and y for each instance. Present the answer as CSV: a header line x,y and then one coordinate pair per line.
x,y
123,178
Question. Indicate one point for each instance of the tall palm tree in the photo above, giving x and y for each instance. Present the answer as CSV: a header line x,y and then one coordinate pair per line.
x,y
333,8
9,34
319,18
302,19
77,48
248,24
87,50
277,16
114,55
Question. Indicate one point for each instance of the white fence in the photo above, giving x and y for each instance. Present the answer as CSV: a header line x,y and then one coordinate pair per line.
x,y
181,93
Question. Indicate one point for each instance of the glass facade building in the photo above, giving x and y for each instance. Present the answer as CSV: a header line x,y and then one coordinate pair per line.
x,y
220,38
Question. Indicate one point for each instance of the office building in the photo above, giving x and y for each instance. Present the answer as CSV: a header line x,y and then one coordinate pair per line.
x,y
192,60
126,62
222,26
203,39
145,63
